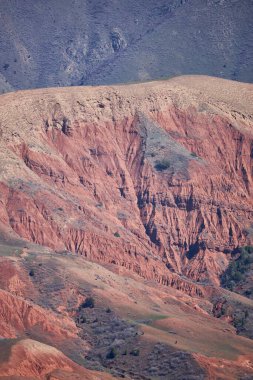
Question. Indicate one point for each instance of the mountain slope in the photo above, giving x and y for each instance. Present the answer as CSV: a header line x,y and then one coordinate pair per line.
x,y
155,177
137,196
103,42
29,359
156,332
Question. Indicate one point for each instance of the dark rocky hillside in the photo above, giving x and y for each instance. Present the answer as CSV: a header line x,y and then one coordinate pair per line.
x,y
77,42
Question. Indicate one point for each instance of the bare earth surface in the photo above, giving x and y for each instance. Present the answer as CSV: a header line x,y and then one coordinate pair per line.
x,y
137,195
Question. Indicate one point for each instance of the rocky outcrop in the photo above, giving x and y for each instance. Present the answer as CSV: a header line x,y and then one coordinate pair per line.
x,y
154,177
18,316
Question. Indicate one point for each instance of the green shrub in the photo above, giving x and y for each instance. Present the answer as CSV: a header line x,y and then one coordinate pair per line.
x,y
162,165
239,322
31,273
117,234
88,303
238,268
135,352
248,248
111,354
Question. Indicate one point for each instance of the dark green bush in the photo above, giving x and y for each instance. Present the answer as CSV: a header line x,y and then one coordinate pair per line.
x,y
248,248
88,303
135,352
117,234
31,273
162,165
111,354
239,321
238,268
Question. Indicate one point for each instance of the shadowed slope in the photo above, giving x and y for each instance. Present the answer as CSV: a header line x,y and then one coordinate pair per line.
x,y
101,42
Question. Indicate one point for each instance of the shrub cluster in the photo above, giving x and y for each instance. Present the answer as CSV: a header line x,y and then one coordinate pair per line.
x,y
238,268
162,165
111,354
88,302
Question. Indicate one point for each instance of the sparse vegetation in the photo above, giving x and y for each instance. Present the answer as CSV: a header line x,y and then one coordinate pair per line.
x,y
237,316
239,320
117,234
238,268
88,303
248,292
135,352
162,165
82,319
193,154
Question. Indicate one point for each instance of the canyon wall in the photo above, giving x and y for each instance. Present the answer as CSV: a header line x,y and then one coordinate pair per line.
x,y
155,177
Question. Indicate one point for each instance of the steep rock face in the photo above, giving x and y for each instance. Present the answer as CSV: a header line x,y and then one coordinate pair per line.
x,y
154,177
18,315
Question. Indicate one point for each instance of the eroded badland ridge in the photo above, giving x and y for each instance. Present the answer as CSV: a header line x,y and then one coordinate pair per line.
x,y
147,185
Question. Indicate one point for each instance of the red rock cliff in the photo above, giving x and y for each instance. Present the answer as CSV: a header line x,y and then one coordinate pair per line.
x,y
156,177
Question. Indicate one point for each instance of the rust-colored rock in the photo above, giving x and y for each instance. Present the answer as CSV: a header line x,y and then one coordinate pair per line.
x,y
155,177
18,315
29,359
141,194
